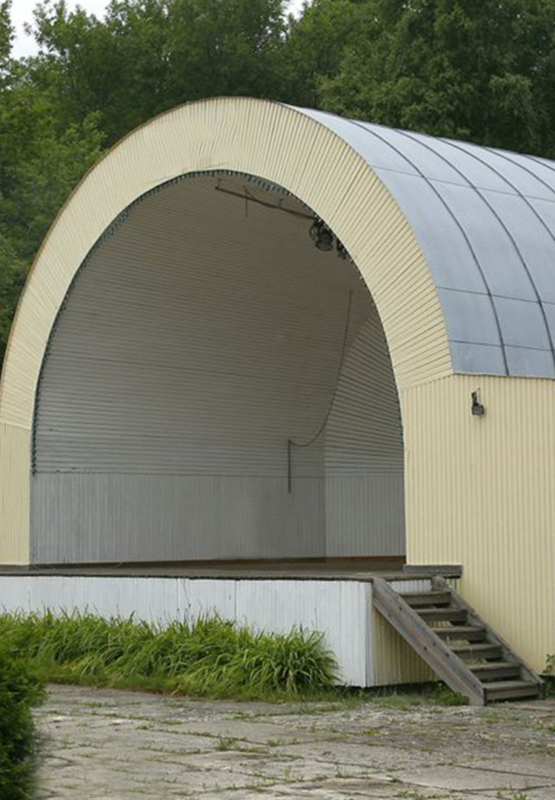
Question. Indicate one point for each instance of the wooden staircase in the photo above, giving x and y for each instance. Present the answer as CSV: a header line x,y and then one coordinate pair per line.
x,y
456,643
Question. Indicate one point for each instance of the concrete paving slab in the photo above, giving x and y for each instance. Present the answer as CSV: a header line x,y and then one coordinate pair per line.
x,y
476,780
106,745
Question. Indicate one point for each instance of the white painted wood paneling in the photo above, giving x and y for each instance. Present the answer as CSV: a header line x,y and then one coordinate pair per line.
x,y
338,609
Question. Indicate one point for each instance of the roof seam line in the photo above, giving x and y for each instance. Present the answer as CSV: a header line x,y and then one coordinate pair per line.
x,y
513,240
457,223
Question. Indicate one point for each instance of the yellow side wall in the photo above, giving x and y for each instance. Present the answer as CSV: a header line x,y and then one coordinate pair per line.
x,y
395,662
15,470
481,493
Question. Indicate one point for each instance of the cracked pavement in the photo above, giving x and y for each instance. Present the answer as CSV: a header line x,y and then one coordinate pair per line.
x,y
102,744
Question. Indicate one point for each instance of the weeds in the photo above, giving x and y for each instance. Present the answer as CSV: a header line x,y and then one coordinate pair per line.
x,y
209,657
226,743
407,697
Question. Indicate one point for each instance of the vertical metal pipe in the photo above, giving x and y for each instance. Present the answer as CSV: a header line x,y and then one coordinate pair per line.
x,y
289,466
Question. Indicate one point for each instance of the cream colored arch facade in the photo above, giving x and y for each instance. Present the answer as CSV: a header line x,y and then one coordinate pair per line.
x,y
268,140
479,490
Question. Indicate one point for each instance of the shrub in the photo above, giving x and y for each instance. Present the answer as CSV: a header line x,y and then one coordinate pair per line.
x,y
209,657
20,689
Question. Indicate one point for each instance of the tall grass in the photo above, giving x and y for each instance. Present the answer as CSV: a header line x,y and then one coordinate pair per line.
x,y
210,657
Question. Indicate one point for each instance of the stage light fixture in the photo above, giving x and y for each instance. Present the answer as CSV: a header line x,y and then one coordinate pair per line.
x,y
321,235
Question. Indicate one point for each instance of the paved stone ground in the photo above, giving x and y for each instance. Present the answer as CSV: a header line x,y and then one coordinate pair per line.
x,y
112,745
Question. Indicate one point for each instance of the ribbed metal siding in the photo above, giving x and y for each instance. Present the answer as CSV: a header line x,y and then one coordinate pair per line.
x,y
283,146
480,492
364,453
15,449
199,338
90,518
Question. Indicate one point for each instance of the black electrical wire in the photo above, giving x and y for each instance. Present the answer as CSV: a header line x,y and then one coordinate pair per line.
x,y
291,443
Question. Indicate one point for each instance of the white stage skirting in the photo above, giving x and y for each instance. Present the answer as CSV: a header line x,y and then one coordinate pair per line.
x,y
340,609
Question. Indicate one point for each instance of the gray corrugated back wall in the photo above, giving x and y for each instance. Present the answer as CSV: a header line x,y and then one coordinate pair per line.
x,y
196,340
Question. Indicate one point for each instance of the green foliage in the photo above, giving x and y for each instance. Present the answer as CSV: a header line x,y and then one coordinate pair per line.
x,y
164,52
210,657
6,36
479,70
408,696
42,157
20,689
315,46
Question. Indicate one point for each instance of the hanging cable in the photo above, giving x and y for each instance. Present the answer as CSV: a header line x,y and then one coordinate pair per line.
x,y
291,443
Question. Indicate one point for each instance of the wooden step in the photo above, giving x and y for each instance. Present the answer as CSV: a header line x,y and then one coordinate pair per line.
x,y
454,640
496,670
511,690
415,599
470,633
442,614
475,651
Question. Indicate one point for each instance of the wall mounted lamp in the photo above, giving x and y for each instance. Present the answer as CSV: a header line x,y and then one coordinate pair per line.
x,y
477,408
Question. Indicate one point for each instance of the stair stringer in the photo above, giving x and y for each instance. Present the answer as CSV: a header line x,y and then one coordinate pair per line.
x,y
426,643
509,653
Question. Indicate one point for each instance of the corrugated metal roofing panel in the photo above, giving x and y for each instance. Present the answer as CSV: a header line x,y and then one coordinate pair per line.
x,y
491,242
543,168
374,150
470,170
485,220
517,174
529,363
471,317
522,323
479,358
533,238
423,158
450,259
549,310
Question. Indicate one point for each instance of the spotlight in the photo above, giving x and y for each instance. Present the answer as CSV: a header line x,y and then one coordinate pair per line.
x,y
341,249
321,235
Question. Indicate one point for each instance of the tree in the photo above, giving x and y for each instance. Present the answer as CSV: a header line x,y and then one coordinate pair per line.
x,y
481,70
42,157
316,43
6,36
146,56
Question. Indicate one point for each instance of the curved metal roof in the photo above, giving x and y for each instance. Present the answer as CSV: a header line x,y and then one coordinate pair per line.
x,y
485,219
